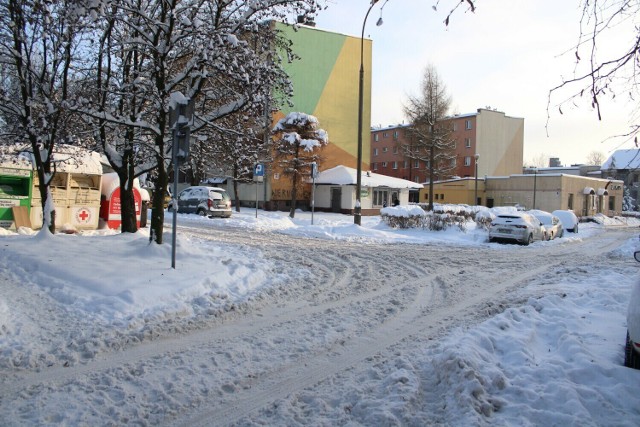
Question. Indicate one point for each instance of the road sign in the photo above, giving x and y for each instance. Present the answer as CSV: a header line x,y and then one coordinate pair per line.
x,y
258,170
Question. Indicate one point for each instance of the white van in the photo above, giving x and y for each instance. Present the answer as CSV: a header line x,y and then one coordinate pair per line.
x,y
204,201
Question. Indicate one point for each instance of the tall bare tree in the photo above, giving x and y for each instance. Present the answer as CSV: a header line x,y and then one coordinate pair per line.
x,y
431,138
297,145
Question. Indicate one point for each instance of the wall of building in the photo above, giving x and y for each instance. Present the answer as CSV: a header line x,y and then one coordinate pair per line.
x,y
500,143
325,82
554,192
497,139
459,191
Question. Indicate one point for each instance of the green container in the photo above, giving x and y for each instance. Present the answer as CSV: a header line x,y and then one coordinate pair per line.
x,y
15,190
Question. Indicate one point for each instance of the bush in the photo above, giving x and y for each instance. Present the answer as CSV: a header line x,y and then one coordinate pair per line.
x,y
403,216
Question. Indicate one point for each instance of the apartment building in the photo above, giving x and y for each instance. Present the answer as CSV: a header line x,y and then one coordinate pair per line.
x,y
496,139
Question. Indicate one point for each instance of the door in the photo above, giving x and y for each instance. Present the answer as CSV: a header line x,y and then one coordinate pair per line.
x,y
336,199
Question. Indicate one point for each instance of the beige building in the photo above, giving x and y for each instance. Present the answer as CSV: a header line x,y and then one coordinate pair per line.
x,y
586,196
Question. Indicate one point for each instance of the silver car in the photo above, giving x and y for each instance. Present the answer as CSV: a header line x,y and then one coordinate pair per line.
x,y
520,227
205,201
552,224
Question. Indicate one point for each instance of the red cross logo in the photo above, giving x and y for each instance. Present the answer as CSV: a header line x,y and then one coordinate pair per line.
x,y
83,215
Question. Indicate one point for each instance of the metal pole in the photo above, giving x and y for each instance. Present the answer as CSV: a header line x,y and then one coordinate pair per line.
x,y
175,198
535,179
357,214
475,194
313,198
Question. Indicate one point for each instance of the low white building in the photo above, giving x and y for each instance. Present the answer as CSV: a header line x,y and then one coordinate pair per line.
x,y
336,191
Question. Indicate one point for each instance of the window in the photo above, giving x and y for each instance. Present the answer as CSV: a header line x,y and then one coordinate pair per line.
x,y
376,137
453,163
437,196
467,161
467,124
612,203
426,196
375,151
416,179
380,197
375,166
385,149
467,142
416,164
570,203
442,197
455,126
395,150
406,164
395,165
384,164
395,134
385,134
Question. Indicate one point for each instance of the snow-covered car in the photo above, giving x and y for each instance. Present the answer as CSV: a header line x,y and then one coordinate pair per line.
x,y
205,201
551,222
521,227
569,220
632,347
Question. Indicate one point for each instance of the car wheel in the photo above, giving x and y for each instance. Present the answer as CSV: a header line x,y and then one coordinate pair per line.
x,y
529,240
201,212
631,357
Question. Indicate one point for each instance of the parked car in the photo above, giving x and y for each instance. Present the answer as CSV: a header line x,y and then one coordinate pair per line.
x,y
569,220
521,227
632,347
551,222
205,201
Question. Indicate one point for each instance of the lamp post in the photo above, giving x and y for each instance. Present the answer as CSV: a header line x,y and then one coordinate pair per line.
x,y
535,179
475,193
357,214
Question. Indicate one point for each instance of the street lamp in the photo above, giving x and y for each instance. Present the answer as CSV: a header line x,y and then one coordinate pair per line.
x,y
475,194
535,179
357,215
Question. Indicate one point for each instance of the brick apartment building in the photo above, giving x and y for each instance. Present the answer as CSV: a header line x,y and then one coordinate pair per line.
x,y
497,139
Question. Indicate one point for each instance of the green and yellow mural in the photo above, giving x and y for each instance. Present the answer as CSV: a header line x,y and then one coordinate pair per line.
x,y
325,81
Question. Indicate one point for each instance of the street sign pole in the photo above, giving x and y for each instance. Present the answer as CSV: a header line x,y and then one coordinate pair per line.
x,y
180,116
314,174
258,176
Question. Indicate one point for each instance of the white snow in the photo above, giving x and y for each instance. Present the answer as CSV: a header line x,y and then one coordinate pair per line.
x,y
623,159
343,175
533,364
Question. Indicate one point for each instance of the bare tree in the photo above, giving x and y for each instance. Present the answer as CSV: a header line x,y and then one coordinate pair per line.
x,y
39,44
604,73
539,161
297,146
595,158
431,137
214,53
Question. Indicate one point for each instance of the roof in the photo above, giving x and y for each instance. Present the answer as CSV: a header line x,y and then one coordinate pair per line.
x,y
342,175
623,159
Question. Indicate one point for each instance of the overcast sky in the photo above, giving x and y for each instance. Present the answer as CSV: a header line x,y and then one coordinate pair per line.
x,y
507,55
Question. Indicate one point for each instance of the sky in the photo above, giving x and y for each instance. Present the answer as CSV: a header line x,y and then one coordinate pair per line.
x,y
506,56
75,299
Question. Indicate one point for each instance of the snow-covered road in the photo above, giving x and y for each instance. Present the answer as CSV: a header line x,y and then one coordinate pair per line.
x,y
346,309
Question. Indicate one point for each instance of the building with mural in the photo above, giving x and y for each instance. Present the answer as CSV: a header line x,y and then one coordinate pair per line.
x,y
325,82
